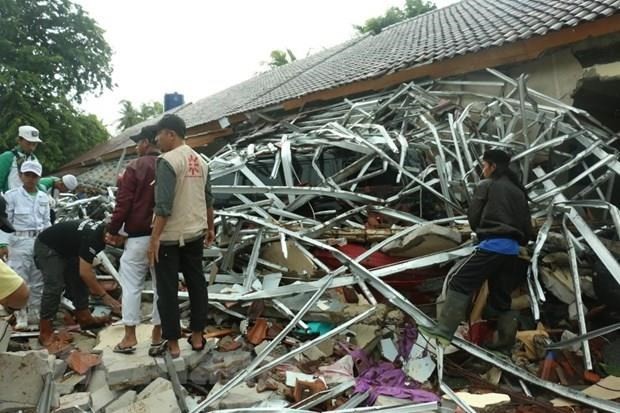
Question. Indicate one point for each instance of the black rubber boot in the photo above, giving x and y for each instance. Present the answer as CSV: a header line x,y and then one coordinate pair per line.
x,y
454,311
507,324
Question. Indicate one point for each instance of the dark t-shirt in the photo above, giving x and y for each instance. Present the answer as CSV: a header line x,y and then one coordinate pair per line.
x,y
82,239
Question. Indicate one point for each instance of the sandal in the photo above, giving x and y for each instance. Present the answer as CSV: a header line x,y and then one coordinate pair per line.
x,y
204,343
158,349
124,350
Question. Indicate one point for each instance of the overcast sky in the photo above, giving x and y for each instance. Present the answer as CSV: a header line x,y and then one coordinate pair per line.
x,y
199,47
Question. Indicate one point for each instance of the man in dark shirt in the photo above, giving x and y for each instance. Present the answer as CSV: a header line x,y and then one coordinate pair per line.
x,y
64,253
499,214
135,200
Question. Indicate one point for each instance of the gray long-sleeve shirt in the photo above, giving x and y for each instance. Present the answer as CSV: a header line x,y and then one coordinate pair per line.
x,y
165,184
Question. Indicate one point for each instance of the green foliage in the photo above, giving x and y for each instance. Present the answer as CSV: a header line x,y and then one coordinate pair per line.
x,y
130,115
51,54
281,58
394,15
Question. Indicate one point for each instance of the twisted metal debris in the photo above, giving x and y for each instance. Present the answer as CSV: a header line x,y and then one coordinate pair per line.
x,y
411,157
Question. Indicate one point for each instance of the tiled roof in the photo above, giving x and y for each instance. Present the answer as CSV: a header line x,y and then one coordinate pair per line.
x,y
461,28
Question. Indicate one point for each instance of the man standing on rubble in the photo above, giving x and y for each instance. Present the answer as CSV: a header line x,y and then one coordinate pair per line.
x,y
28,209
183,224
64,253
14,292
499,215
10,161
135,201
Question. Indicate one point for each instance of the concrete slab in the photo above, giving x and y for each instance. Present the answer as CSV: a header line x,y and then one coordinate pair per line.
x,y
74,403
65,385
60,366
101,398
242,396
123,401
5,335
100,393
128,370
220,366
156,397
22,377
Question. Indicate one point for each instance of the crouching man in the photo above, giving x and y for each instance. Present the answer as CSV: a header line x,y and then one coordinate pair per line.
x,y
65,252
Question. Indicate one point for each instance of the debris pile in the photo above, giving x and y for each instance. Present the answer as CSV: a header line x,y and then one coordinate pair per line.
x,y
337,228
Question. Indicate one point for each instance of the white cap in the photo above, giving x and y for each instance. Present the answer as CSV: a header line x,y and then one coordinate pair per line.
x,y
31,134
32,166
70,182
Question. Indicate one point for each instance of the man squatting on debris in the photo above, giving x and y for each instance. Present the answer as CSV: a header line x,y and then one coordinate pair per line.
x,y
500,216
183,216
135,200
28,210
65,252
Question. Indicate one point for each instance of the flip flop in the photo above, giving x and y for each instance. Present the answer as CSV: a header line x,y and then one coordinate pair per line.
x,y
158,349
204,343
123,350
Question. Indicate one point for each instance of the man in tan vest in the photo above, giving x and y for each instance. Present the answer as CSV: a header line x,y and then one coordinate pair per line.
x,y
183,225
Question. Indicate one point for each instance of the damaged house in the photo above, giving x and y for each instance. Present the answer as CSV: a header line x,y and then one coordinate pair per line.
x,y
342,183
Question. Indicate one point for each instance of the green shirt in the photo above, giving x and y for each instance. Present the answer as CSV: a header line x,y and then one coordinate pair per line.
x,y
46,184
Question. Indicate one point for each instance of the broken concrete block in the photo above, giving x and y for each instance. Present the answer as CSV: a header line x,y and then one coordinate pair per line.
x,y
22,378
220,366
5,335
60,366
242,396
122,402
480,401
74,403
100,393
364,334
128,370
427,239
156,397
101,398
65,385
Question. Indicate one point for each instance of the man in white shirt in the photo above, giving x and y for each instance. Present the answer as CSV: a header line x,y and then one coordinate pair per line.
x,y
28,211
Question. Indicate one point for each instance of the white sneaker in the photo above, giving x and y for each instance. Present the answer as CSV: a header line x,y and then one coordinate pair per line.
x,y
21,318
33,317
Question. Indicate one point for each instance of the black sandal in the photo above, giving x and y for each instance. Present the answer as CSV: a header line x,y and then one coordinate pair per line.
x,y
204,343
158,350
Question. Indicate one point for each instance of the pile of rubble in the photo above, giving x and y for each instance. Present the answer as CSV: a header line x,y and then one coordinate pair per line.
x,y
336,230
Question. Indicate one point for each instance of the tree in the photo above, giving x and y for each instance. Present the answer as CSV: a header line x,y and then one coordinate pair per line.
x,y
281,58
130,115
51,55
394,15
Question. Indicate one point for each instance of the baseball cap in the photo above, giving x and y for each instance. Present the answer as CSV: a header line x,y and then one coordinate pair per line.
x,y
30,133
5,225
32,166
70,182
172,122
148,132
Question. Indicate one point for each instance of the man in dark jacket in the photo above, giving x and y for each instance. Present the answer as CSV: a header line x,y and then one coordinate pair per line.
x,y
500,216
135,200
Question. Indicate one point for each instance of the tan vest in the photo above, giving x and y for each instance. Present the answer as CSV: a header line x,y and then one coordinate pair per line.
x,y
188,218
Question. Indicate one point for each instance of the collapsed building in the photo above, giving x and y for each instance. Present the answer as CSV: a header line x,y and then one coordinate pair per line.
x,y
342,182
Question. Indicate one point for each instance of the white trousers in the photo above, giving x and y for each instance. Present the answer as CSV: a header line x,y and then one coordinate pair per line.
x,y
132,272
21,260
